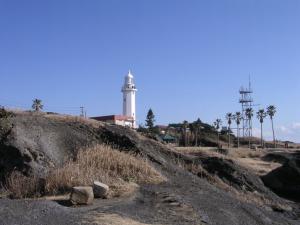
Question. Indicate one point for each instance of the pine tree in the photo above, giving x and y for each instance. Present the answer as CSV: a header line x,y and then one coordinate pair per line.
x,y
150,119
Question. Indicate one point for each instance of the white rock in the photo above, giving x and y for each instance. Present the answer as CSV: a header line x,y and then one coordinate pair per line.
x,y
82,195
100,189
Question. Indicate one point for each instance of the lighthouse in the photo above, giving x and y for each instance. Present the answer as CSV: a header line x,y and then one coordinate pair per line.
x,y
129,90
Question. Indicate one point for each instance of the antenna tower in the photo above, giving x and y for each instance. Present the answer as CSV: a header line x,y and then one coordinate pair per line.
x,y
246,101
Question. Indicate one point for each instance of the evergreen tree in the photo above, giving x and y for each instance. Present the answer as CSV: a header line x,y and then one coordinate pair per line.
x,y
150,119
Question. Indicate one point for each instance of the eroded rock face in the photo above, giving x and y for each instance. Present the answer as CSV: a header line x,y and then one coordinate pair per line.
x,y
285,180
236,176
82,195
34,143
100,189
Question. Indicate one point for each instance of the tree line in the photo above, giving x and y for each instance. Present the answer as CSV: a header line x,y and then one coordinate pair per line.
x,y
187,133
261,114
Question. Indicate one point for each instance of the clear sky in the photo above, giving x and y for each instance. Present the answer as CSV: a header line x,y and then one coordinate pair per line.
x,y
189,58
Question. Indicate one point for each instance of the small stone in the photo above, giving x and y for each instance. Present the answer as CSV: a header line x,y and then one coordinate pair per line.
x,y
100,189
82,195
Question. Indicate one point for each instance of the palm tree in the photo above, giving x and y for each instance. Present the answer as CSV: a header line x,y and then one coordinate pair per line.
x,y
238,118
249,114
197,127
229,118
261,114
37,105
192,127
271,110
217,125
185,125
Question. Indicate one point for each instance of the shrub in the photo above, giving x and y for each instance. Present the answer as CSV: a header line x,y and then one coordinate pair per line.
x,y
21,186
117,169
5,114
105,164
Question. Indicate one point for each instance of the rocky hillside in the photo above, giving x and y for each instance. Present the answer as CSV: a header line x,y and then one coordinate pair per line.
x,y
197,190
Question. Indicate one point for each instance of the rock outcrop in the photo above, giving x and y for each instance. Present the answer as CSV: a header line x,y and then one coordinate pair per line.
x,y
34,142
285,180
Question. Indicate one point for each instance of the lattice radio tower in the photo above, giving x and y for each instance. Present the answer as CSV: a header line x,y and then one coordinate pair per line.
x,y
246,101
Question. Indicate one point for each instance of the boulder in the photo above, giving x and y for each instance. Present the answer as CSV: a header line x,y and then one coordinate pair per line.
x,y
82,195
100,189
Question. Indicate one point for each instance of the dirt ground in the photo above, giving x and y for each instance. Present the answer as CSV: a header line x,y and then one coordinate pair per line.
x,y
250,159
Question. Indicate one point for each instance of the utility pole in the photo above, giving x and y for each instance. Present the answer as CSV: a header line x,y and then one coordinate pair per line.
x,y
81,111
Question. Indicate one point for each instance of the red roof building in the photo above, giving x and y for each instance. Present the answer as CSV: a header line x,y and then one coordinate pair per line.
x,y
116,119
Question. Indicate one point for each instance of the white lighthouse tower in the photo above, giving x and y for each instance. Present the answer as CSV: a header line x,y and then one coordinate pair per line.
x,y
129,91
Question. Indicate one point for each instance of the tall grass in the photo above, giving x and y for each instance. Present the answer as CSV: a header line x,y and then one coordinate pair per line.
x,y
21,186
102,163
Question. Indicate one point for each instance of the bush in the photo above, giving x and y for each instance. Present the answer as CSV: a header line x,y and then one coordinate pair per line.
x,y
21,186
101,163
5,114
117,169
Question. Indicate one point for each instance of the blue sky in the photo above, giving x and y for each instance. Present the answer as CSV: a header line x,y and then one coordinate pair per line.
x,y
189,58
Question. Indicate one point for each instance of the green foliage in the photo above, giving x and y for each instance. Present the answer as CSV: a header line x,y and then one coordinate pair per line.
x,y
238,118
261,114
5,124
150,119
217,124
142,129
249,113
5,114
271,110
37,105
229,117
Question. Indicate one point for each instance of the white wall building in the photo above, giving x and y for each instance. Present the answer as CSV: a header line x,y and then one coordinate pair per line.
x,y
129,91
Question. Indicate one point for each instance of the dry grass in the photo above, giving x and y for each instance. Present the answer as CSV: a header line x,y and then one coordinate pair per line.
x,y
245,153
257,166
120,171
199,151
60,117
246,158
69,118
213,152
116,169
20,186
